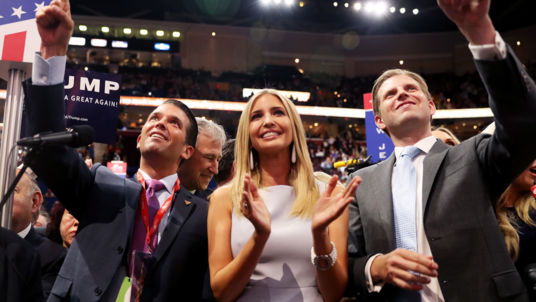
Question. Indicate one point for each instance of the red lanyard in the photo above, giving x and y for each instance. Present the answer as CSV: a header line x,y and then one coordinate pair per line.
x,y
160,214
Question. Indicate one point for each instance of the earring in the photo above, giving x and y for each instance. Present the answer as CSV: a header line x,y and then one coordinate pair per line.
x,y
293,154
251,161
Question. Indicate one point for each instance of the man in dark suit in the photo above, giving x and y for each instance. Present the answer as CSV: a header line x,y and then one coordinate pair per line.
x,y
20,275
197,172
118,233
26,204
437,238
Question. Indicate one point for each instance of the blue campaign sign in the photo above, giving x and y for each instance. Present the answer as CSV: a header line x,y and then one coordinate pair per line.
x,y
379,144
92,98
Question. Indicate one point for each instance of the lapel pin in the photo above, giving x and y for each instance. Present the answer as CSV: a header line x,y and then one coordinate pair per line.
x,y
187,202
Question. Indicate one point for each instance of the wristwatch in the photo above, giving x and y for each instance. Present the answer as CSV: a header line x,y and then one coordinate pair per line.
x,y
324,262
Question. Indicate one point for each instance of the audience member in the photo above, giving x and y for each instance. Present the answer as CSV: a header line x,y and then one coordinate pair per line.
x,y
68,228
516,213
274,219
446,136
164,255
196,172
226,166
20,277
27,201
419,216
42,219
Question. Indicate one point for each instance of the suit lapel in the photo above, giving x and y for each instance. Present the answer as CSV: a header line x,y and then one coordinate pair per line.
x,y
431,164
132,192
383,207
180,211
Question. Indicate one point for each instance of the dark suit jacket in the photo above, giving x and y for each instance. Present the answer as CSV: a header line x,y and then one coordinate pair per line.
x,y
105,205
203,194
20,275
51,256
460,189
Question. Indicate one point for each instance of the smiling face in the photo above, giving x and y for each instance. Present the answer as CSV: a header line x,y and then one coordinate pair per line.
x,y
269,127
403,106
162,138
203,164
526,179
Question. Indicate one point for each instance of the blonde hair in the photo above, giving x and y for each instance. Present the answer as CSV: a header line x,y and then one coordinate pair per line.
x,y
301,173
523,207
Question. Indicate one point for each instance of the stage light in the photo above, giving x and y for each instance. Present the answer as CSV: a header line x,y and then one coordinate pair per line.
x,y
392,9
401,62
127,31
144,32
369,7
99,42
302,4
381,8
357,6
277,2
335,4
82,27
518,43
346,4
265,2
297,60
289,2
176,34
159,33
415,11
77,41
213,33
402,10
105,29
86,68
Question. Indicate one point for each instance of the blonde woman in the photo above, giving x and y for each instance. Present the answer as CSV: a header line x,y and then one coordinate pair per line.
x,y
275,233
516,214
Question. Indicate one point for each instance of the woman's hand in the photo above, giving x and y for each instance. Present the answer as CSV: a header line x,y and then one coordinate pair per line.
x,y
329,207
253,208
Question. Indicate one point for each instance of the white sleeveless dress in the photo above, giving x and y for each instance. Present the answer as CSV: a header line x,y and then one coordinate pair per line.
x,y
284,271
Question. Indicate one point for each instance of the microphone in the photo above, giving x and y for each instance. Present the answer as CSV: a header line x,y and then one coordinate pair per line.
x,y
77,136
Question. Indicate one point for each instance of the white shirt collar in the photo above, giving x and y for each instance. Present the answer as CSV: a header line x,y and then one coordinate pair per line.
x,y
169,181
25,232
424,144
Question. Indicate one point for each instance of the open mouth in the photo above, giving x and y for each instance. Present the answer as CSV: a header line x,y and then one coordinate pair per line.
x,y
404,104
270,134
157,135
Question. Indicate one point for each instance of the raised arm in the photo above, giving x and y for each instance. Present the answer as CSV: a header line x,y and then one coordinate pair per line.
x,y
228,275
55,27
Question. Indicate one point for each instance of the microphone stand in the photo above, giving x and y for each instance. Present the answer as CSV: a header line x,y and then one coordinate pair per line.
x,y
29,157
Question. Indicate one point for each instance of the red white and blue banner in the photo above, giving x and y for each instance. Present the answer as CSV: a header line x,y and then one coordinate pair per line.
x,y
19,38
379,144
92,98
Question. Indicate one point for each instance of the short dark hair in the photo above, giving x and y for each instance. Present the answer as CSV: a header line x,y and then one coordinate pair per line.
x,y
225,166
191,132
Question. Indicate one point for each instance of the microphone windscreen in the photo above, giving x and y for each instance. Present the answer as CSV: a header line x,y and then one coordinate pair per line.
x,y
85,135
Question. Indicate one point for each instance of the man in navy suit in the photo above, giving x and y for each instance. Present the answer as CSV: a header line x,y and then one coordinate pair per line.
x,y
113,211
27,201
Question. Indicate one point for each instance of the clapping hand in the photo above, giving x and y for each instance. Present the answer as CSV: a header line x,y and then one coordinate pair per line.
x,y
55,27
329,207
253,208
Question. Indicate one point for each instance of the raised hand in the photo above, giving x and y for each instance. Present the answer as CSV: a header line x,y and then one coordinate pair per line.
x,y
329,207
404,268
253,208
472,18
55,27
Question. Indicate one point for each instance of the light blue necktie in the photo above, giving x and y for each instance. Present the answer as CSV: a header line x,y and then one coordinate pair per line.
x,y
404,204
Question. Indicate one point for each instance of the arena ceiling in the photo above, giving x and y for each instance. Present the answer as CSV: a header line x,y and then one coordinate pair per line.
x,y
313,16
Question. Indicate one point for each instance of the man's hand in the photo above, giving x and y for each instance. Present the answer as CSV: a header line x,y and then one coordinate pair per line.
x,y
55,27
404,268
472,18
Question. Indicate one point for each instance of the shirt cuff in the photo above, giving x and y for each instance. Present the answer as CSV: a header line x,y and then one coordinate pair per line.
x,y
496,51
48,72
372,288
